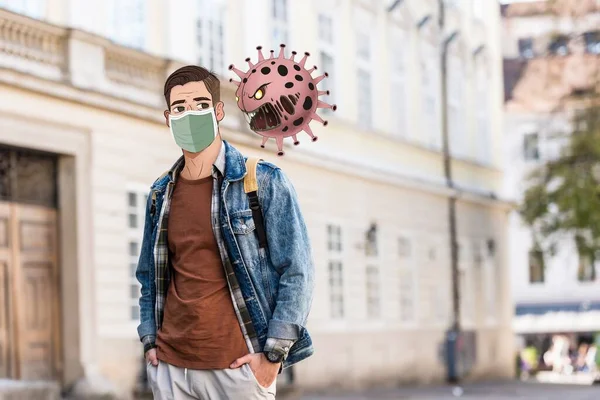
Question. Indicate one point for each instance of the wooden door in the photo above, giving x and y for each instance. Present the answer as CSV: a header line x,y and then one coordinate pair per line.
x,y
33,301
6,335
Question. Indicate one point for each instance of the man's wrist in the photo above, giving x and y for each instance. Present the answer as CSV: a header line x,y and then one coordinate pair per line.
x,y
276,350
149,342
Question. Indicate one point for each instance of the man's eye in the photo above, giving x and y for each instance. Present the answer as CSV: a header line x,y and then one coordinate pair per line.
x,y
203,106
179,109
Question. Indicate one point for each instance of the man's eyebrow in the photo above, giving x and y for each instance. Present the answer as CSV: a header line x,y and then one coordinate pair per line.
x,y
201,99
177,102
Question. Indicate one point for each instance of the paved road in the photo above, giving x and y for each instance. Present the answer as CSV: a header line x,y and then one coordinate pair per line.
x,y
491,391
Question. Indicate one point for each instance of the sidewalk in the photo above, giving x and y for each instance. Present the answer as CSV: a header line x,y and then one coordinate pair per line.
x,y
487,391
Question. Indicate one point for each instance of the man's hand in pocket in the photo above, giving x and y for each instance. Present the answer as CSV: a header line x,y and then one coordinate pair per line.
x,y
151,357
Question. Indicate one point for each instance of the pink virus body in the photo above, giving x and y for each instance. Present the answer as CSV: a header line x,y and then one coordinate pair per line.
x,y
279,97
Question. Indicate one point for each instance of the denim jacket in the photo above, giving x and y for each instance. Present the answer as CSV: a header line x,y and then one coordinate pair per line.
x,y
276,283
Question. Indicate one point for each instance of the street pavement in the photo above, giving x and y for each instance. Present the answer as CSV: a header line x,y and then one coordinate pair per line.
x,y
487,391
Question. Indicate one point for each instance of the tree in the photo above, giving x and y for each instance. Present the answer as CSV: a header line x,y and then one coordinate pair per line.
x,y
563,197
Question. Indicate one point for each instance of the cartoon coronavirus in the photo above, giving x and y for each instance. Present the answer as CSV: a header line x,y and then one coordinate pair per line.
x,y
279,97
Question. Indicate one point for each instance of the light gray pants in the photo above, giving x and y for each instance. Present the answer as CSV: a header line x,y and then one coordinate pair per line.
x,y
173,383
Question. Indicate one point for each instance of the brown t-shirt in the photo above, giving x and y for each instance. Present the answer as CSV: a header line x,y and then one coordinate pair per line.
x,y
200,329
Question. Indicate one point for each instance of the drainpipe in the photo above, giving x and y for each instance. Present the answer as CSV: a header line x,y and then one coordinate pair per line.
x,y
454,332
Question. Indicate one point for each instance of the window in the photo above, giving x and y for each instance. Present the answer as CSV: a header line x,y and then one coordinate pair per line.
x,y
373,290
334,238
531,147
336,289
363,74
404,248
484,259
136,208
536,266
430,115
327,54
336,281
325,29
559,46
371,242
456,108
31,8
128,22
365,117
483,130
592,42
526,48
280,31
407,284
398,93
209,35
587,268
478,8
467,305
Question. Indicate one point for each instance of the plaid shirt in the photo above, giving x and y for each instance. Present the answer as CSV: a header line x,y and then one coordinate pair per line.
x,y
161,258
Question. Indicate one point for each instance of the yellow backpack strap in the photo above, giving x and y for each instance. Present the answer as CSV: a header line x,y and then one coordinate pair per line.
x,y
250,182
251,189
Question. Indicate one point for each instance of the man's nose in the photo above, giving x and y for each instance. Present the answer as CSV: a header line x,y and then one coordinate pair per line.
x,y
188,106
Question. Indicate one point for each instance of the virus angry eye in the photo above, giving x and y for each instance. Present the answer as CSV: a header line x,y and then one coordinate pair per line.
x,y
259,94
237,98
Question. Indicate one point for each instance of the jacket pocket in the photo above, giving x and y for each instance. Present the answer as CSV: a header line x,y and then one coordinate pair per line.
x,y
242,222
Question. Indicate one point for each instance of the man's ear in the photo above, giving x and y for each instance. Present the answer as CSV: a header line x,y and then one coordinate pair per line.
x,y
167,113
220,114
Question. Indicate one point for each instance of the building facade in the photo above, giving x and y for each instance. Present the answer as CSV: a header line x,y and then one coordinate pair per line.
x,y
84,106
552,52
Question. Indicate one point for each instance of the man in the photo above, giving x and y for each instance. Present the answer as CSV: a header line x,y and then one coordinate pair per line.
x,y
220,314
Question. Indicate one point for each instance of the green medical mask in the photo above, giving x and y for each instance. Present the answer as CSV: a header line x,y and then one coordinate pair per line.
x,y
194,131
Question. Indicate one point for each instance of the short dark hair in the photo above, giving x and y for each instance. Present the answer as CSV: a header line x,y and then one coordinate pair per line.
x,y
193,73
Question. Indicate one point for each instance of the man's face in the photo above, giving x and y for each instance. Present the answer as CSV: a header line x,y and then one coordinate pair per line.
x,y
192,96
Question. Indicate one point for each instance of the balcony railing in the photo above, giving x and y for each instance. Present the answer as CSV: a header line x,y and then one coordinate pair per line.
x,y
81,59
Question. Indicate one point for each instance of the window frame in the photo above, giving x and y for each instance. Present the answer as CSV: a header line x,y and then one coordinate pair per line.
x,y
430,94
335,275
457,119
407,268
364,67
399,126
528,156
279,17
210,49
135,235
328,49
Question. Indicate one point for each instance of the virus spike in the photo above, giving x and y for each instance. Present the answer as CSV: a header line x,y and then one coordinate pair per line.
x,y
303,61
272,54
239,73
260,54
316,117
322,104
320,78
322,92
293,55
249,62
314,68
279,141
237,83
264,140
281,50
296,142
310,133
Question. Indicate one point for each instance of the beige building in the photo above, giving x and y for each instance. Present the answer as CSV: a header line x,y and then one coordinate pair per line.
x,y
82,137
552,57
